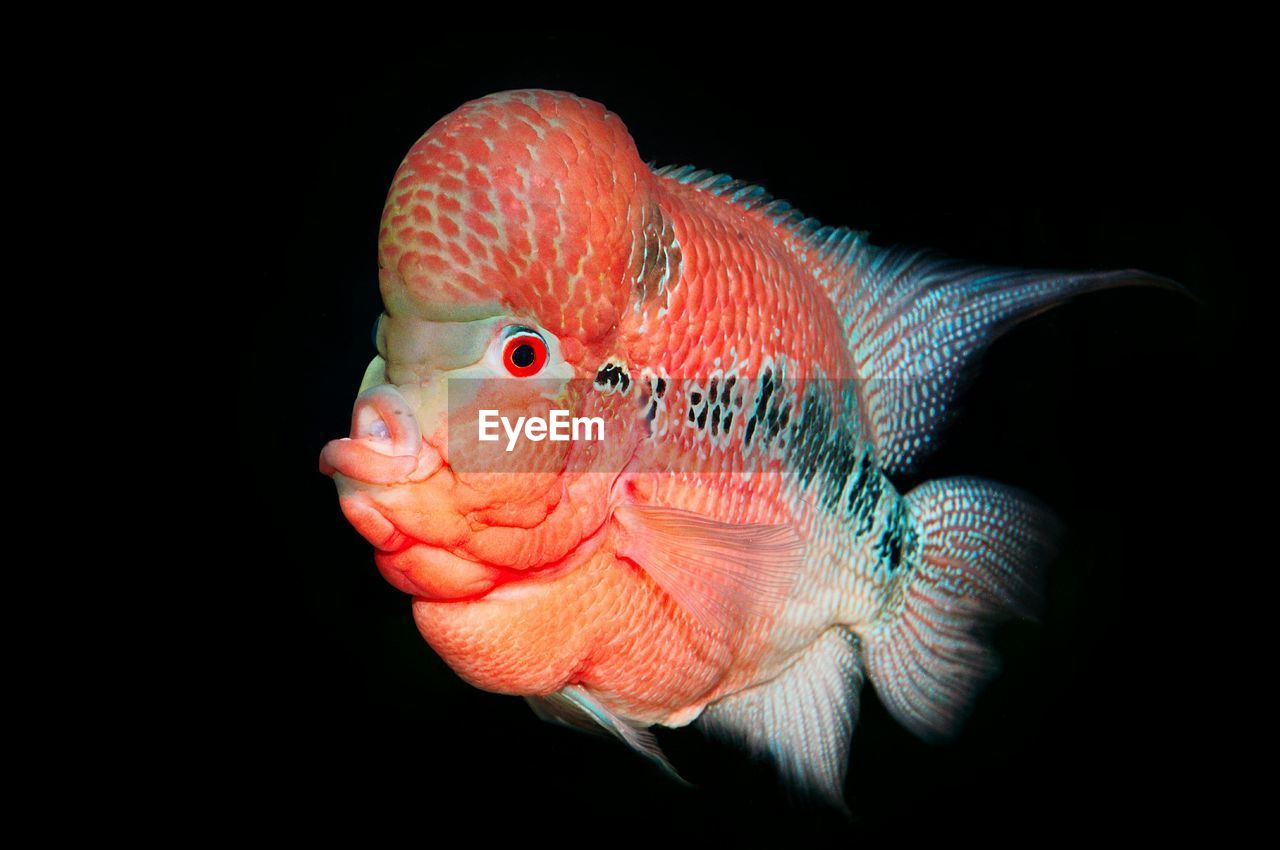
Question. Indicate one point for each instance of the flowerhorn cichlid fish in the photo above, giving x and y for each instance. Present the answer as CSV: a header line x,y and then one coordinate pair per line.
x,y
631,436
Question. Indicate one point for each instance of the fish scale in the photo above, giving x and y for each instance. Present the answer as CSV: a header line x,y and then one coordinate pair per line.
x,y
738,557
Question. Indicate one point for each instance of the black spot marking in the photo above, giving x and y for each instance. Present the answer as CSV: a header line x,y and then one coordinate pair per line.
x,y
771,412
612,376
897,539
649,392
864,507
809,443
840,460
861,475
777,421
757,418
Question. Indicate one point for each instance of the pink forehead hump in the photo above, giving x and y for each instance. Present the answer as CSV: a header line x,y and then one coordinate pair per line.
x,y
526,199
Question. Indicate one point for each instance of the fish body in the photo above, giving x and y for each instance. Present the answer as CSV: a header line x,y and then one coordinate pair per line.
x,y
737,553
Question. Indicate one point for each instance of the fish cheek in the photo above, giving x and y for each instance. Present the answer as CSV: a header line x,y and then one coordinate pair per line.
x,y
505,495
611,429
526,504
514,548
428,511
542,534
493,449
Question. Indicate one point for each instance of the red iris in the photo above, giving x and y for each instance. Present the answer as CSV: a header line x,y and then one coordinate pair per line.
x,y
524,355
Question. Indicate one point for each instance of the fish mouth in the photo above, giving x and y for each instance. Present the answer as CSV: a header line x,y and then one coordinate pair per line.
x,y
385,445
431,573
345,456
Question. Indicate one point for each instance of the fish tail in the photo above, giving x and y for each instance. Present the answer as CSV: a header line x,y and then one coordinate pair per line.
x,y
976,555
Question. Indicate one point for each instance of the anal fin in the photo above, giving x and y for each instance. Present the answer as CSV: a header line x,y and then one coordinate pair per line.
x,y
803,719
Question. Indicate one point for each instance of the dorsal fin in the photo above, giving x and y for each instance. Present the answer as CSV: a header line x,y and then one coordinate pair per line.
x,y
812,242
747,195
918,322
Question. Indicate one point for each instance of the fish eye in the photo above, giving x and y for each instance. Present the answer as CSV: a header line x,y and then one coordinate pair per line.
x,y
524,354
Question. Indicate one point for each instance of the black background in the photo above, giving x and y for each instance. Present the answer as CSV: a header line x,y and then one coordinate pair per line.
x,y
1108,409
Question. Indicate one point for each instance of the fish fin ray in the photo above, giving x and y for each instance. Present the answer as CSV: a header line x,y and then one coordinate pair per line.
x,y
918,323
559,710
573,707
719,572
742,193
802,720
979,557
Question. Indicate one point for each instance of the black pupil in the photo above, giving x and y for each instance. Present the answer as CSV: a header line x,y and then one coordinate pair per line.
x,y
524,355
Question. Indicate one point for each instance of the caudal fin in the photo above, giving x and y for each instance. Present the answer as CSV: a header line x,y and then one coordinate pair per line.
x,y
980,556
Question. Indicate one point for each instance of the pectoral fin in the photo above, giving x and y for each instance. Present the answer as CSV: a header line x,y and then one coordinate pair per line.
x,y
720,572
573,707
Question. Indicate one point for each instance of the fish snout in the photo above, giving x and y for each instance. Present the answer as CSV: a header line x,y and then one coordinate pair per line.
x,y
385,446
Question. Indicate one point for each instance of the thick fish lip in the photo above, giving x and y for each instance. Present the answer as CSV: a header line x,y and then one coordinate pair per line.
x,y
354,463
385,446
345,456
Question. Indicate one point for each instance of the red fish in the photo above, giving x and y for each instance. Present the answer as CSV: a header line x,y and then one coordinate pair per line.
x,y
734,553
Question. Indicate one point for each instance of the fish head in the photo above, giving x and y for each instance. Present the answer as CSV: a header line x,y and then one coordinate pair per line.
x,y
507,258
